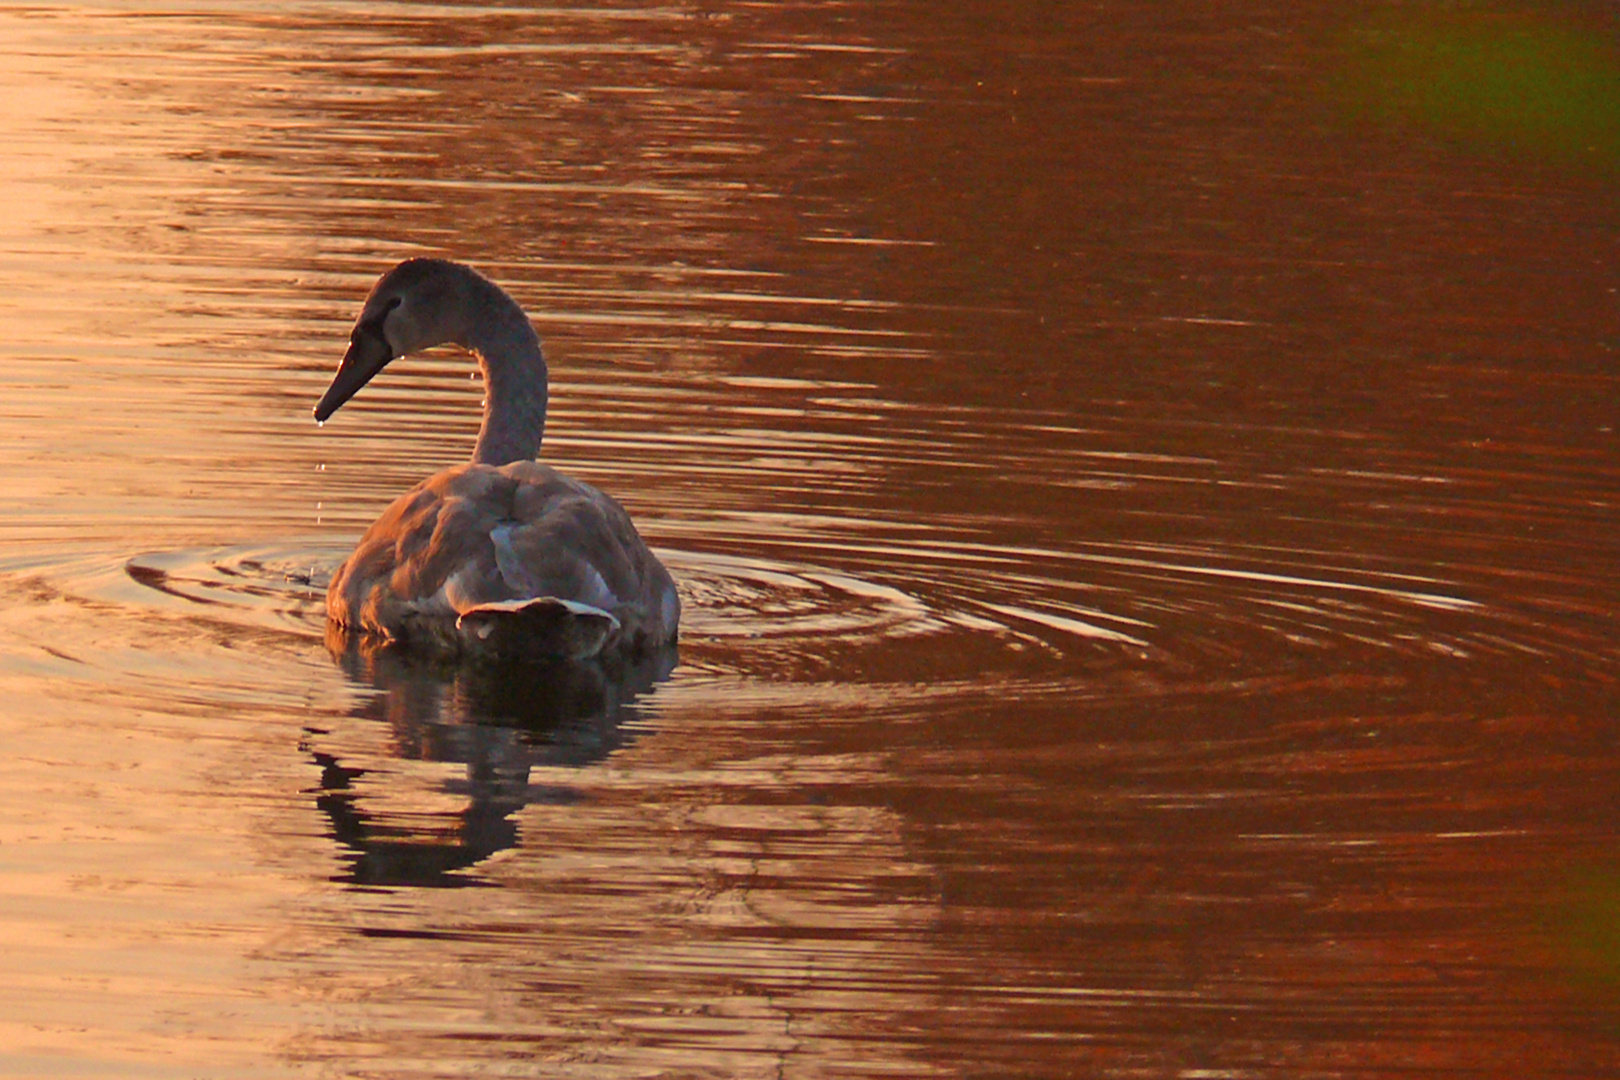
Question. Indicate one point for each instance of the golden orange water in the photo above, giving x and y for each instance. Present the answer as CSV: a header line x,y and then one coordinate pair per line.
x,y
1148,540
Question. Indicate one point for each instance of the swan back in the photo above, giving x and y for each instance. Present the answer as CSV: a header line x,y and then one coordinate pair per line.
x,y
476,539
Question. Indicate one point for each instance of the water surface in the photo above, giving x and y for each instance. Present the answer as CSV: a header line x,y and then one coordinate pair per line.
x,y
1147,537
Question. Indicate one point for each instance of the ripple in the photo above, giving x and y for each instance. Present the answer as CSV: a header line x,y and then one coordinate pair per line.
x,y
1007,607
1182,604
732,596
273,585
806,596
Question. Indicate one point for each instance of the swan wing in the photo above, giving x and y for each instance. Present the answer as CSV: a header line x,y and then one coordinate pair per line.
x,y
480,559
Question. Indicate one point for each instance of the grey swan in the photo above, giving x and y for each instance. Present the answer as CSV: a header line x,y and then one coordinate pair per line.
x,y
502,557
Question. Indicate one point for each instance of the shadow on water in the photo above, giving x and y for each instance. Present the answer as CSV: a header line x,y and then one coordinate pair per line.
x,y
499,721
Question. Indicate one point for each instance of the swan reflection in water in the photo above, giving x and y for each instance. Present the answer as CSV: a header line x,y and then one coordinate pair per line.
x,y
499,721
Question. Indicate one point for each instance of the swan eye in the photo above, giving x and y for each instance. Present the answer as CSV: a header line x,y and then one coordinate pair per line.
x,y
374,326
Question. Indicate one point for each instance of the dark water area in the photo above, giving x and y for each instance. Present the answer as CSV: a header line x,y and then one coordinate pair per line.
x,y
1142,481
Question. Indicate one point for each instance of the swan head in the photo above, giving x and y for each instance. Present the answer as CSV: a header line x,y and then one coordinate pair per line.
x,y
418,304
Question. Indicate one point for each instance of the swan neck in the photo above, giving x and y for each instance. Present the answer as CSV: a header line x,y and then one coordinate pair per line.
x,y
508,351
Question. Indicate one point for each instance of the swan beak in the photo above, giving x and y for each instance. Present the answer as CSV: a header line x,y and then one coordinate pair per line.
x,y
367,355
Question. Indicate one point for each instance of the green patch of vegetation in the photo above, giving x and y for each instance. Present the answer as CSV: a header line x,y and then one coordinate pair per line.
x,y
1517,81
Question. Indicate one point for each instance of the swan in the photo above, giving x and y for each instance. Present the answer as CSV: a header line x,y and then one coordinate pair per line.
x,y
502,557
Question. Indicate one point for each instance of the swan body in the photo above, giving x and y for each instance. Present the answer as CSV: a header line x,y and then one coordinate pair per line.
x,y
502,557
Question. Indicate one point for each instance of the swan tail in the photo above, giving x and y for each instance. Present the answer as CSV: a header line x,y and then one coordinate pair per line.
x,y
540,628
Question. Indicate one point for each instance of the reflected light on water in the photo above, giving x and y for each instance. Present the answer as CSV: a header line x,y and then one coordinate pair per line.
x,y
1147,548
